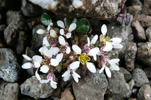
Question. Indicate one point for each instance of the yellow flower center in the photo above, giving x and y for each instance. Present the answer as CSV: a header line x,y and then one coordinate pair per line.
x,y
104,39
84,58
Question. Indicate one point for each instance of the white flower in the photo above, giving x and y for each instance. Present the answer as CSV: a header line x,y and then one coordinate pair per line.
x,y
45,42
70,29
70,73
55,62
84,58
113,66
64,43
44,68
41,31
35,61
104,29
93,41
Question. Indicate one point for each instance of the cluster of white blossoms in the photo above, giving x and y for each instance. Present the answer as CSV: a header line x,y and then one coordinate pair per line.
x,y
64,52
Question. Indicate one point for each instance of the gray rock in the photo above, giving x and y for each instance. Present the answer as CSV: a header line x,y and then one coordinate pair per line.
x,y
33,88
127,74
9,68
140,33
36,41
135,7
2,27
146,7
139,77
91,87
30,10
118,88
9,91
130,54
144,93
144,53
148,33
33,21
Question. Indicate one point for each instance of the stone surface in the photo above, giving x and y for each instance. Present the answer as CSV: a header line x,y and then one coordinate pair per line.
x,y
144,53
36,41
144,93
146,7
135,6
140,33
148,33
9,68
67,95
139,77
9,91
90,8
30,10
91,87
118,88
127,74
130,54
33,21
33,88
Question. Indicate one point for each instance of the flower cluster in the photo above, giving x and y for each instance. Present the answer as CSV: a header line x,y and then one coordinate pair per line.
x,y
64,52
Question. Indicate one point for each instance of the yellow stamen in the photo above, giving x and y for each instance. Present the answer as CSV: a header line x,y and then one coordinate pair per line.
x,y
84,58
104,39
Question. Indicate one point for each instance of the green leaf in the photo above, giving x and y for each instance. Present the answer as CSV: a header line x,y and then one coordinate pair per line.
x,y
68,21
46,19
82,25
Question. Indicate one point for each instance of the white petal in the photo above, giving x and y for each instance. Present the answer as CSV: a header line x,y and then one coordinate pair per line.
x,y
116,39
104,29
75,74
46,52
76,77
40,31
62,40
66,78
44,81
66,73
53,84
108,47
108,72
59,57
37,58
37,75
88,39
74,65
117,46
54,50
115,67
102,69
114,61
68,50
62,31
45,42
53,33
54,62
27,57
76,49
27,65
68,35
44,68
72,27
60,24
93,52
91,67
94,39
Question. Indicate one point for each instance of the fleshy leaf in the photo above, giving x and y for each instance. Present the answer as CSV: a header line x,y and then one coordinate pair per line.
x,y
82,25
46,19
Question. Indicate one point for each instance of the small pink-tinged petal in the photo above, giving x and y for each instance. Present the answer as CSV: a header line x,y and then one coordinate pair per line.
x,y
93,52
88,39
66,73
74,65
94,39
45,42
68,35
91,67
53,33
108,72
54,50
59,57
60,24
27,65
68,50
72,27
44,69
104,29
53,84
40,31
62,40
108,47
102,69
54,62
74,75
37,58
76,49
37,75
27,57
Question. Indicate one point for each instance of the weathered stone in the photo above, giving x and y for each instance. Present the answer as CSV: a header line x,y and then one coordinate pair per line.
x,y
9,68
140,33
33,21
139,77
130,54
33,88
148,71
118,88
2,27
91,87
90,8
146,7
9,91
30,10
144,53
67,95
135,6
148,34
36,41
144,93
127,74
